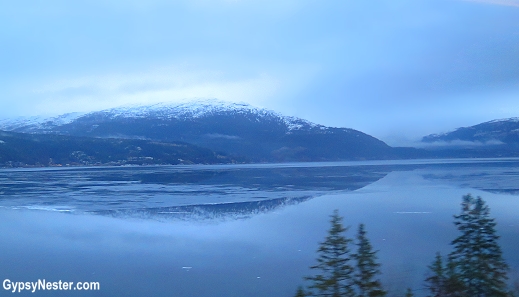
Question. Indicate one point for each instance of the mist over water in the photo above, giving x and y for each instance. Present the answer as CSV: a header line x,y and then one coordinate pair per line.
x,y
237,230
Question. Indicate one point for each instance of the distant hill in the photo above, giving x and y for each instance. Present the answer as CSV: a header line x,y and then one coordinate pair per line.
x,y
497,138
504,131
238,130
18,150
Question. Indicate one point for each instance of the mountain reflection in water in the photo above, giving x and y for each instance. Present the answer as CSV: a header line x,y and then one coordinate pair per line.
x,y
243,230
169,192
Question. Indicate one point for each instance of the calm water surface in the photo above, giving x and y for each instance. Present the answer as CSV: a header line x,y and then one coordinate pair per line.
x,y
237,230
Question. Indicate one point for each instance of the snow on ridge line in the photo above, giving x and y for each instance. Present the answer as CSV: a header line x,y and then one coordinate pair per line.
x,y
513,119
196,109
164,110
39,122
66,118
191,109
11,124
482,133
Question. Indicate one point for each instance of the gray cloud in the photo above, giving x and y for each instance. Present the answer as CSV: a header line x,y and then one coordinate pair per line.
x,y
394,67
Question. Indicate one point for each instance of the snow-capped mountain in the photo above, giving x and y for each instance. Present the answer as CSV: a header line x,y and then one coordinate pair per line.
x,y
193,109
37,124
232,128
163,111
496,132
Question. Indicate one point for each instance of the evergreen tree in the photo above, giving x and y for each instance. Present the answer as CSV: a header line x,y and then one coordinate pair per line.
x,y
475,267
478,268
300,292
453,286
336,274
477,256
367,267
436,283
409,293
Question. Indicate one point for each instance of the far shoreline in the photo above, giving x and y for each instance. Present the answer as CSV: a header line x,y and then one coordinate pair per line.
x,y
342,163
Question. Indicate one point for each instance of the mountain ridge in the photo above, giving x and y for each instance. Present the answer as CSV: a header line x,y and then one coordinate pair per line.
x,y
162,110
494,132
237,129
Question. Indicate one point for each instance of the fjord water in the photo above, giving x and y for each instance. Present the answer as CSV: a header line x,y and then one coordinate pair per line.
x,y
238,230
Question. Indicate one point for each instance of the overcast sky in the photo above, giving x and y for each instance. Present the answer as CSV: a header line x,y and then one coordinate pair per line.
x,y
394,69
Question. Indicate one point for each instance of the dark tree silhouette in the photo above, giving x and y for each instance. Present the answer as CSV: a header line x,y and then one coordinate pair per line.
x,y
436,282
335,277
475,267
300,292
409,293
367,267
477,257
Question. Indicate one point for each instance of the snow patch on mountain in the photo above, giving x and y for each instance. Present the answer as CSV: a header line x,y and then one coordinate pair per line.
x,y
38,123
495,132
13,124
510,120
197,109
165,110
